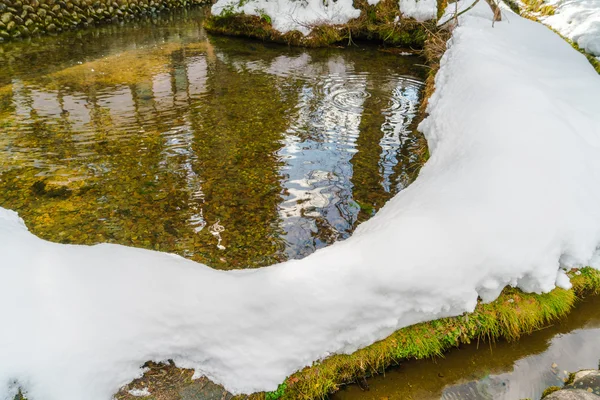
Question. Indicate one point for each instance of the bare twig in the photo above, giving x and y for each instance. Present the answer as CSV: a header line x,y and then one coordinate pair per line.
x,y
455,17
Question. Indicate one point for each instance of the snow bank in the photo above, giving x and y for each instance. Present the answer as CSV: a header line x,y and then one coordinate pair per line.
x,y
421,10
509,196
289,15
303,15
578,20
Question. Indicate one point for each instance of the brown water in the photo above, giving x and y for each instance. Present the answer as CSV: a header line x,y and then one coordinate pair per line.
x,y
226,151
501,370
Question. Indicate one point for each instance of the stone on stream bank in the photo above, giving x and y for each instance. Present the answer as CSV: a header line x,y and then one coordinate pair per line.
x,y
24,18
582,385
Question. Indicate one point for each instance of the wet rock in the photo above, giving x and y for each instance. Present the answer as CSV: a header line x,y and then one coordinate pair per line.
x,y
32,17
588,380
572,394
204,390
6,18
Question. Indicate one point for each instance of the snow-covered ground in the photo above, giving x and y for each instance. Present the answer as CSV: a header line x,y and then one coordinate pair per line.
x,y
304,15
289,15
578,20
509,196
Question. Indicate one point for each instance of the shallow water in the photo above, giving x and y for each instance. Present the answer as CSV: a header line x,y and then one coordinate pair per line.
x,y
498,371
226,151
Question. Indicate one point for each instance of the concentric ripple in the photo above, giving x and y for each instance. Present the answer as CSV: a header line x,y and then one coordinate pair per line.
x,y
159,138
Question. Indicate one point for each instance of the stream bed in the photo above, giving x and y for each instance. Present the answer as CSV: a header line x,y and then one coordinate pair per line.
x,y
229,152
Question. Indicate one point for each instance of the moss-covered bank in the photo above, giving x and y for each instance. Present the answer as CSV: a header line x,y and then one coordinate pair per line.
x,y
513,314
24,18
509,317
381,23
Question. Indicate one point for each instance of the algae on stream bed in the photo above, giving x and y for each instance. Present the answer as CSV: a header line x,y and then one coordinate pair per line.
x,y
232,153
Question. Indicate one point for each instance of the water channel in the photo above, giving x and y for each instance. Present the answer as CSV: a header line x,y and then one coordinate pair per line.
x,y
238,154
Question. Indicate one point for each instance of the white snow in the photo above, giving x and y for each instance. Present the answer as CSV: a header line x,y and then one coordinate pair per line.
x,y
509,196
289,15
304,15
578,20
421,10
140,392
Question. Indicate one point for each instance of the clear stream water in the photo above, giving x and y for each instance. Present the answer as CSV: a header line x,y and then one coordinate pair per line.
x,y
229,152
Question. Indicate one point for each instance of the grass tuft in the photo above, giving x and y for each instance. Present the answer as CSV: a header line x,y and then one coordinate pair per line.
x,y
512,315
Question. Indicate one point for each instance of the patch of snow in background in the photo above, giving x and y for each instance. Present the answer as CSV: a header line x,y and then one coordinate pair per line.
x,y
510,196
421,10
289,15
578,20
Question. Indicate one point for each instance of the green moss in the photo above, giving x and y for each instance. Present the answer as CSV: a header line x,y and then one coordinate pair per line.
x,y
550,390
279,393
512,315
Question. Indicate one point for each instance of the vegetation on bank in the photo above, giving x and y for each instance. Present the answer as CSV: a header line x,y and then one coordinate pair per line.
x,y
512,315
509,317
382,23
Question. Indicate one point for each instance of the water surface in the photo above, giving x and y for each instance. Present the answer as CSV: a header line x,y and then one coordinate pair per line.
x,y
496,371
229,152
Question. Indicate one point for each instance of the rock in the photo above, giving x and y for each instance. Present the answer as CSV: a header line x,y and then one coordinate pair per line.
x,y
11,26
572,394
204,390
41,12
4,34
51,28
6,18
588,380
